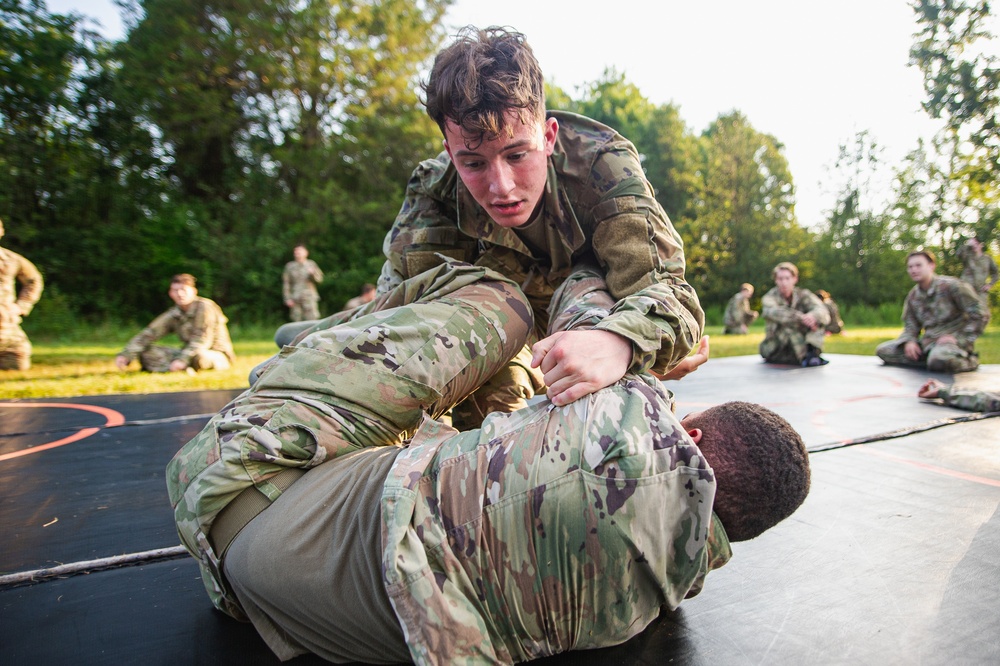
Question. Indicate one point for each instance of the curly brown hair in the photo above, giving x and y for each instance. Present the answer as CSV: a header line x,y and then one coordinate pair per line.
x,y
481,78
761,466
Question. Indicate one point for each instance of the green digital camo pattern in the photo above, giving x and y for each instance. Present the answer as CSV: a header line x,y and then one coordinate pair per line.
x,y
366,382
551,529
979,271
948,307
738,314
15,348
972,400
785,336
597,208
298,282
201,327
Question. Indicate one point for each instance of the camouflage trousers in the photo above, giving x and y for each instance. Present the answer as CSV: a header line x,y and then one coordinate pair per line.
x,y
788,344
158,358
15,348
304,310
581,301
418,349
946,357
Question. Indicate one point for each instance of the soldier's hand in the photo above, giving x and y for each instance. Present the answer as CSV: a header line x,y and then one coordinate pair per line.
x,y
178,365
947,340
577,363
930,389
809,321
689,364
912,351
121,362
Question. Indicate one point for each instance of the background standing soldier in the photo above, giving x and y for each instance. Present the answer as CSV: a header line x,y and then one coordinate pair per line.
x,y
299,285
980,270
738,313
200,325
15,348
796,321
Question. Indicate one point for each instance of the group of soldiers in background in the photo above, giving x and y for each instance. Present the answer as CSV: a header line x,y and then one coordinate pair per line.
x,y
942,315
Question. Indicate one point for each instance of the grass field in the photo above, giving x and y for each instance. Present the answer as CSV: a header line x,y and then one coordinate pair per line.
x,y
85,365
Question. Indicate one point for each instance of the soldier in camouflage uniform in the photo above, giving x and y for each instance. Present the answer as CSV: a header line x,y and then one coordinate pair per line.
x,y
299,281
533,196
738,313
953,396
980,270
200,325
942,317
552,528
15,348
796,321
836,324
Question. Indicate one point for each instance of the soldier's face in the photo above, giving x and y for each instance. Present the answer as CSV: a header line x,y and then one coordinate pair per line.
x,y
182,294
300,253
785,281
919,269
505,176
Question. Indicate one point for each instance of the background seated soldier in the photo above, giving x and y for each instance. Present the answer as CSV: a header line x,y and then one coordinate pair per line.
x,y
550,529
836,324
796,321
942,317
198,322
738,314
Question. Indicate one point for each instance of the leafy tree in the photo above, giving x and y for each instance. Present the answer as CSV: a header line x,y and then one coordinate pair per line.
x,y
956,54
744,220
861,252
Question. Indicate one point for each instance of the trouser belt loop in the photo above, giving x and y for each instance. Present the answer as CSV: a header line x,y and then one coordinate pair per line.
x,y
244,508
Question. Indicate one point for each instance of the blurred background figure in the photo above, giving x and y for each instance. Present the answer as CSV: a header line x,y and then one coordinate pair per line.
x,y
299,285
836,324
15,348
980,270
738,313
367,295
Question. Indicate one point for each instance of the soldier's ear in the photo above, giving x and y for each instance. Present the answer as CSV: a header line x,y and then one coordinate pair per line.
x,y
695,434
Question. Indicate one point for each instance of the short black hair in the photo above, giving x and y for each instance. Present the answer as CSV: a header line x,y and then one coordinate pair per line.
x,y
761,466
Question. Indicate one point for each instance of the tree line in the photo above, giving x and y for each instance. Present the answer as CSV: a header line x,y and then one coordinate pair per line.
x,y
215,136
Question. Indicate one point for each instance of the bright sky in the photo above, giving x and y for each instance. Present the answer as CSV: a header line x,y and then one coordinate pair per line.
x,y
811,74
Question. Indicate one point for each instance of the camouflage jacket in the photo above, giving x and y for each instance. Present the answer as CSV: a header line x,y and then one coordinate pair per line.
x,y
948,307
972,400
299,281
13,304
780,313
597,207
738,312
201,327
979,271
551,529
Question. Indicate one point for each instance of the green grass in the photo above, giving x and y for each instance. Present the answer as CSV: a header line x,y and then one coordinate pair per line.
x,y
83,364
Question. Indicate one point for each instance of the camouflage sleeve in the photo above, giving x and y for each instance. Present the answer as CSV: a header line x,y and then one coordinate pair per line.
x,y
31,286
164,324
317,272
816,307
974,401
911,325
994,272
286,284
643,258
427,224
976,313
774,310
199,338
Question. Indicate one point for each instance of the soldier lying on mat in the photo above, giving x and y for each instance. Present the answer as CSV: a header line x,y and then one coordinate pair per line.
x,y
970,399
548,529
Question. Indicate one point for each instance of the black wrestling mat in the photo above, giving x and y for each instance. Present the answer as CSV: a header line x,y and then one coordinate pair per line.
x,y
893,559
